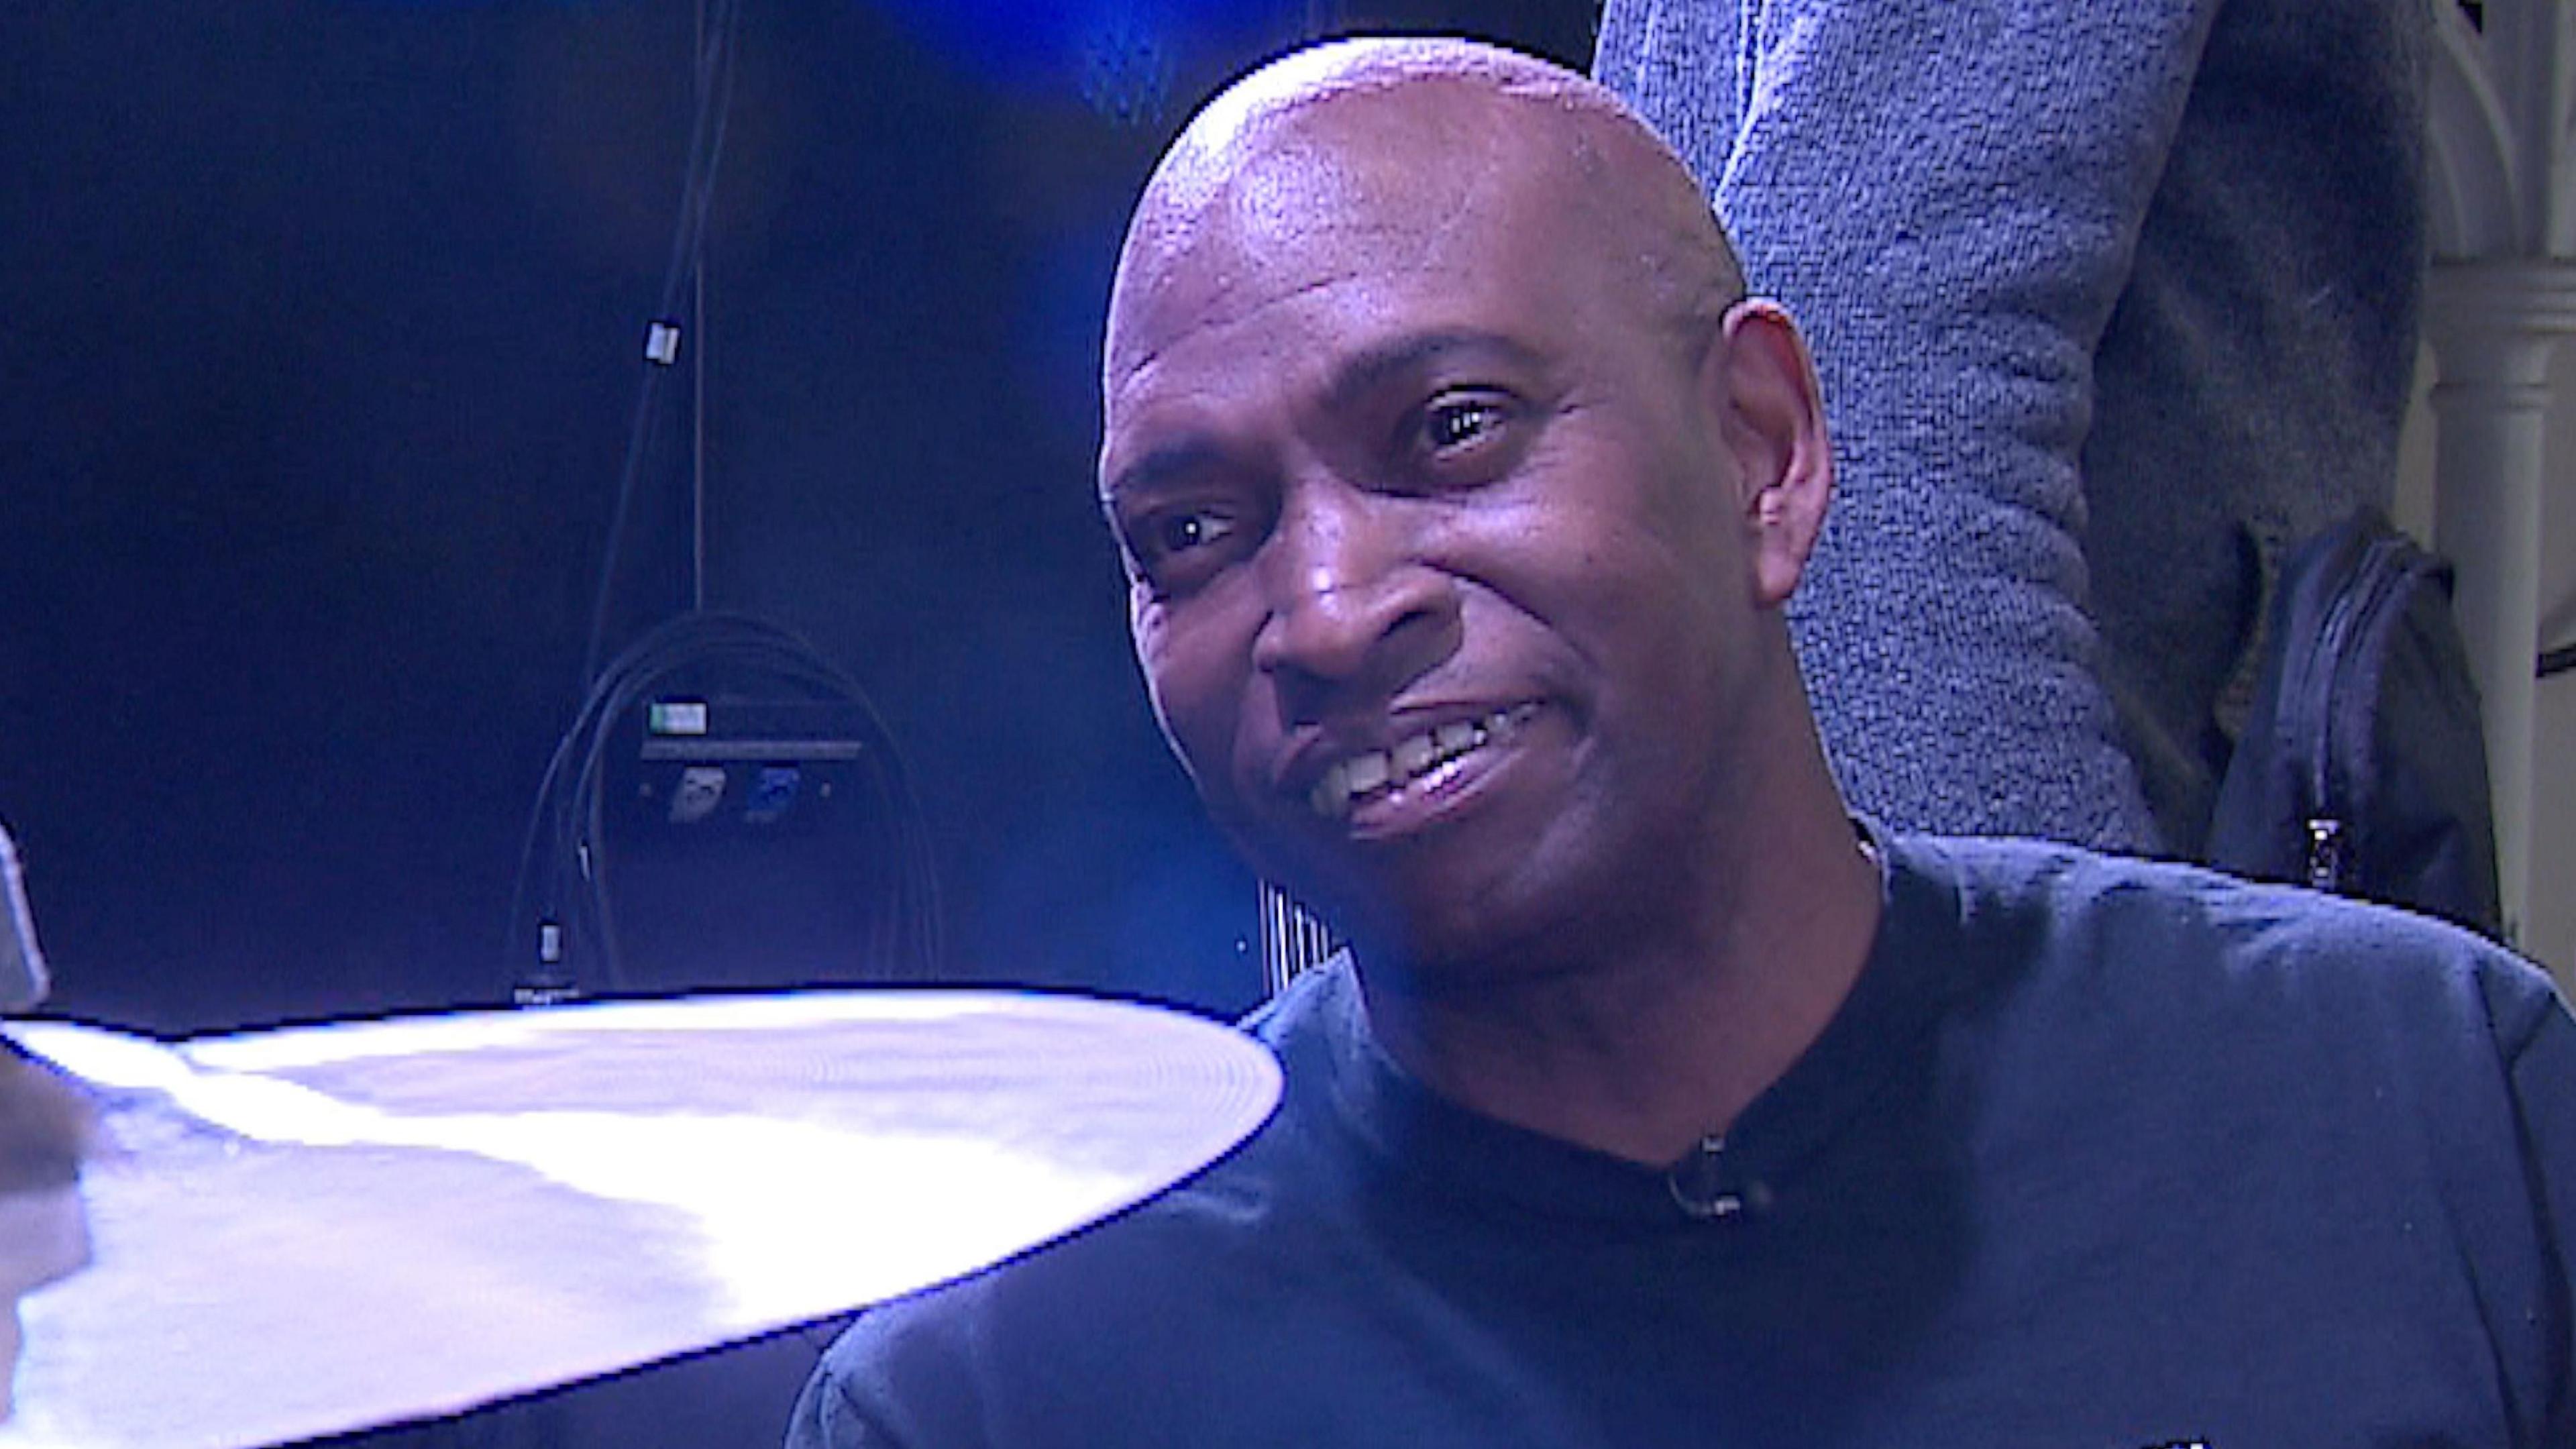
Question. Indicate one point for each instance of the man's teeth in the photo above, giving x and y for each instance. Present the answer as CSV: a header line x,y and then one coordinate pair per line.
x,y
1409,759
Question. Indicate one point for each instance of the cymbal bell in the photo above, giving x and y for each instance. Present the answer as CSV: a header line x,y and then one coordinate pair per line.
x,y
304,1232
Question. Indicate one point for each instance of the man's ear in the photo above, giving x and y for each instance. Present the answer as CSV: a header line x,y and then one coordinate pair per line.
x,y
1774,426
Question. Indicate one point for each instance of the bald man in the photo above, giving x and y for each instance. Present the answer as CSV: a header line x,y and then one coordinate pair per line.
x,y
1461,492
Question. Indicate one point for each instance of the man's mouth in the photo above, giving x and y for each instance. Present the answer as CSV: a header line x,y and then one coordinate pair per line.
x,y
1412,761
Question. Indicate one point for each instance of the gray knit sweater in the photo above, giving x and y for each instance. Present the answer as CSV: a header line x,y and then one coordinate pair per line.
x,y
2111,299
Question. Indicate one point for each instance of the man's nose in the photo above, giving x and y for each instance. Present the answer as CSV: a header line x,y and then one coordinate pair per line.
x,y
1355,614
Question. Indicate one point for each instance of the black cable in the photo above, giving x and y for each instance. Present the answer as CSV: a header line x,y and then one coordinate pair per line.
x,y
563,864
564,867
713,81
2558,660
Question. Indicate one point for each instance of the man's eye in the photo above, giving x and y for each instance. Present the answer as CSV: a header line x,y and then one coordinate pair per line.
x,y
1178,533
1457,422
1175,551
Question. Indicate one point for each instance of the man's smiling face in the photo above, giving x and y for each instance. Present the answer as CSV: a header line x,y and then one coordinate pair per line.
x,y
1439,553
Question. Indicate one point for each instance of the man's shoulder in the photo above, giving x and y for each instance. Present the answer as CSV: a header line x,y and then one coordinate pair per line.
x,y
1062,1326
2177,936
1060,1329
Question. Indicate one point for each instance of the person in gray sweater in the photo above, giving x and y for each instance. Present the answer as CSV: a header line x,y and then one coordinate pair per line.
x,y
2112,303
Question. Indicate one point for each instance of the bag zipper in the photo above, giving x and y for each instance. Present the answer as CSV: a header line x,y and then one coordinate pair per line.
x,y
2355,609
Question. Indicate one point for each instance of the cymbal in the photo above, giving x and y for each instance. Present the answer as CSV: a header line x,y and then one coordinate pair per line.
x,y
303,1232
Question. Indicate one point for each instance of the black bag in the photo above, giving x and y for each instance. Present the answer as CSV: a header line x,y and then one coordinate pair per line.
x,y
2362,768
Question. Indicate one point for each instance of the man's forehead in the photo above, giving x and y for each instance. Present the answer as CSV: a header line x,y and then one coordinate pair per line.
x,y
1360,185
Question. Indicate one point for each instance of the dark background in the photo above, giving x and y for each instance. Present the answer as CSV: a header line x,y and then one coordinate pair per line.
x,y
319,329
320,325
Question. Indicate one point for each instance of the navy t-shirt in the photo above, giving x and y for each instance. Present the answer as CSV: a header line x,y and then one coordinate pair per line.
x,y
2098,1153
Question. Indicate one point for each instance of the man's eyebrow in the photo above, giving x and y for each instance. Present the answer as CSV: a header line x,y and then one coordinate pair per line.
x,y
1160,467
1373,367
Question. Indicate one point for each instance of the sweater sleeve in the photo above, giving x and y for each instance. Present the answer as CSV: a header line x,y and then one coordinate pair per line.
x,y
1947,194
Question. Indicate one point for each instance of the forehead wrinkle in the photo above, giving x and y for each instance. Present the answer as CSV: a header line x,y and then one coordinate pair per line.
x,y
1125,368
1325,200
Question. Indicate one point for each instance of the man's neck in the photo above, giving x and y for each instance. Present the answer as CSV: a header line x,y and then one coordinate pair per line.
x,y
1651,1044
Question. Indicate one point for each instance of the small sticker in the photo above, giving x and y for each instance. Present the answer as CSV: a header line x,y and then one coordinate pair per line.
x,y
676,717
773,793
701,789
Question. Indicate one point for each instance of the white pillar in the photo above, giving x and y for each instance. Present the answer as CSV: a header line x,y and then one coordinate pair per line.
x,y
2493,325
